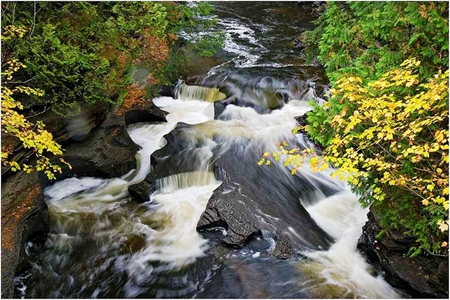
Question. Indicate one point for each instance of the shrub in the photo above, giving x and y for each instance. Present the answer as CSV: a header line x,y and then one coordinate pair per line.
x,y
16,127
391,144
386,121
87,50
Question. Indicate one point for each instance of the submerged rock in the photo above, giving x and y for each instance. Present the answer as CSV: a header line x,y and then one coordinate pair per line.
x,y
255,279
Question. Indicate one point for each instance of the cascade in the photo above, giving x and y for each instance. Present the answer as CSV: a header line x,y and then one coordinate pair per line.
x,y
105,244
194,92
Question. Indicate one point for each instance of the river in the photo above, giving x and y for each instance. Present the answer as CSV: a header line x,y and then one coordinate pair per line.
x,y
105,244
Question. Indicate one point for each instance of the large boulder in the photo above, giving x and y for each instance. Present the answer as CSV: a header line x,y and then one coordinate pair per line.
x,y
24,215
423,276
250,200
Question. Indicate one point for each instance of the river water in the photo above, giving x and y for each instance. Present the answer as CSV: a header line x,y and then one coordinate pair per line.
x,y
104,244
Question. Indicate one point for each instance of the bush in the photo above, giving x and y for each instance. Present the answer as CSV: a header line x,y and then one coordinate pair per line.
x,y
386,122
86,51
369,38
15,127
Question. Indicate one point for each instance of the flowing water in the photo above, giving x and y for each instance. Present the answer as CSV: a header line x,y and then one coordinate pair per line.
x,y
104,244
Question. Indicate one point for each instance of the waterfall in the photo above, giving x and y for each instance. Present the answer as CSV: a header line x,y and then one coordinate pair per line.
x,y
341,271
194,92
104,244
160,237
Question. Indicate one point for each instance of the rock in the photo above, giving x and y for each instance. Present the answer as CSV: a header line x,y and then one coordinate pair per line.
x,y
109,151
142,190
24,214
95,145
249,200
255,279
75,128
252,199
419,277
64,130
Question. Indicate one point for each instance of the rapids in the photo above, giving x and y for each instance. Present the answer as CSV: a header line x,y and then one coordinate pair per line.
x,y
105,244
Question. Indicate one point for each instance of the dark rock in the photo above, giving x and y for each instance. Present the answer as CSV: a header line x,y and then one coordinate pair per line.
x,y
95,145
63,129
423,276
167,91
24,214
141,190
219,107
250,199
75,128
109,149
255,279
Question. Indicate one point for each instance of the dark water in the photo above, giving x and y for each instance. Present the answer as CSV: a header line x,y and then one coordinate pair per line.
x,y
261,41
103,244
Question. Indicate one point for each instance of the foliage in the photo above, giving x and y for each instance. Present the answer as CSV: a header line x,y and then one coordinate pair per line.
x,y
14,124
369,38
86,51
387,122
392,139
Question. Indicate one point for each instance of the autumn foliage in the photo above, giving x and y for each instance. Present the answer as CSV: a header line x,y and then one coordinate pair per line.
x,y
15,125
390,142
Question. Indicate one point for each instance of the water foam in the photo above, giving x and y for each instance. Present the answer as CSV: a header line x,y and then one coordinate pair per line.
x,y
341,271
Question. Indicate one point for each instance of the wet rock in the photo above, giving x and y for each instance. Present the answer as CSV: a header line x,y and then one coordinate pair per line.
x,y
24,214
109,151
233,213
64,130
74,128
250,199
424,276
255,279
140,191
98,146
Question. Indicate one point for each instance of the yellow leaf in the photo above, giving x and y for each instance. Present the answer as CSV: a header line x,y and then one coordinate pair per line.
x,y
443,227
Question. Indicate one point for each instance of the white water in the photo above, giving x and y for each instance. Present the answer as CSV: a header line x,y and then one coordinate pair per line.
x,y
175,208
342,271
167,222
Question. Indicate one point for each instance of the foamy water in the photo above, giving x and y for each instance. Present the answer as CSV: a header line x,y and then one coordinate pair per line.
x,y
161,233
341,271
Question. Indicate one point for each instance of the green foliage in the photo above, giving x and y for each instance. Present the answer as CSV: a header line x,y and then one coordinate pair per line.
x,y
392,149
369,38
386,121
196,24
84,51
16,127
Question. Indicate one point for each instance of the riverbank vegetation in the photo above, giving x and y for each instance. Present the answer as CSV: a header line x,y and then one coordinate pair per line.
x,y
86,53
386,121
